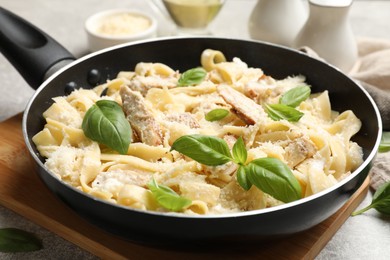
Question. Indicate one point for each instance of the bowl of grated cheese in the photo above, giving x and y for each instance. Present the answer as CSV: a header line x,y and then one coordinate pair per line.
x,y
117,26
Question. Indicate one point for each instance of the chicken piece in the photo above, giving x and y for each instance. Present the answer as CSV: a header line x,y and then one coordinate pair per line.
x,y
245,108
184,118
298,150
140,117
143,84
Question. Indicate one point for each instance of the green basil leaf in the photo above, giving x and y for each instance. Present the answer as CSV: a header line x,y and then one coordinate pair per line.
x,y
167,197
240,153
384,146
274,177
192,77
242,177
279,111
216,114
17,240
295,96
204,149
106,123
380,201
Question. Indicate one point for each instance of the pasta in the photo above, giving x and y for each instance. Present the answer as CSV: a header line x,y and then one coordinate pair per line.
x,y
317,148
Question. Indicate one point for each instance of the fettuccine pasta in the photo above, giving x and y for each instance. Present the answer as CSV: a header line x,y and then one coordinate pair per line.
x,y
318,148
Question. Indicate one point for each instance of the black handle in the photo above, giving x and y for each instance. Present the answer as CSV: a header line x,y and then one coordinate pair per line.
x,y
31,51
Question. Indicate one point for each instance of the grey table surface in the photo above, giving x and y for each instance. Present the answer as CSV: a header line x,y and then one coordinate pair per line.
x,y
362,237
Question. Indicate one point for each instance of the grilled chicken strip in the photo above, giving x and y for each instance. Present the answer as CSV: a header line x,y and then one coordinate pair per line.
x,y
245,108
298,150
140,117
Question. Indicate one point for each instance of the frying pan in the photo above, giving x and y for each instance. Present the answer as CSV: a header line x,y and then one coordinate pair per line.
x,y
23,44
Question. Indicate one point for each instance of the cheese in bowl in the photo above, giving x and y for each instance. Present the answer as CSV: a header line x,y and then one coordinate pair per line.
x,y
123,24
220,138
112,27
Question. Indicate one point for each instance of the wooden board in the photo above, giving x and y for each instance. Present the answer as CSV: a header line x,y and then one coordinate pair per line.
x,y
22,191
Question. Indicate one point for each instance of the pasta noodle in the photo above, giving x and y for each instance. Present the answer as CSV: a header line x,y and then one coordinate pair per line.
x,y
317,148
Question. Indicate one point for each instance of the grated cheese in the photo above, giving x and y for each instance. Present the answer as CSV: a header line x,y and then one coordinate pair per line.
x,y
123,24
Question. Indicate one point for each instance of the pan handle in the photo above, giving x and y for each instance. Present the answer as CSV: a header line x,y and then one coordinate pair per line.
x,y
31,51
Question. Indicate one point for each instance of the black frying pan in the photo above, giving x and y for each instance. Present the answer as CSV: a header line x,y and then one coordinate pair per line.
x,y
183,54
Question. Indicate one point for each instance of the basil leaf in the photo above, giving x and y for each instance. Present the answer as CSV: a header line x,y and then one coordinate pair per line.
x,y
384,146
204,149
216,114
380,201
274,177
192,77
240,153
242,177
279,111
167,197
17,240
106,123
295,96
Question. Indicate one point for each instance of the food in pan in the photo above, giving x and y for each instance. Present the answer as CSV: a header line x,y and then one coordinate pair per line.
x,y
221,138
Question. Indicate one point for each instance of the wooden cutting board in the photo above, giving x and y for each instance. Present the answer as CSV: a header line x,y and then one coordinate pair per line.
x,y
22,191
